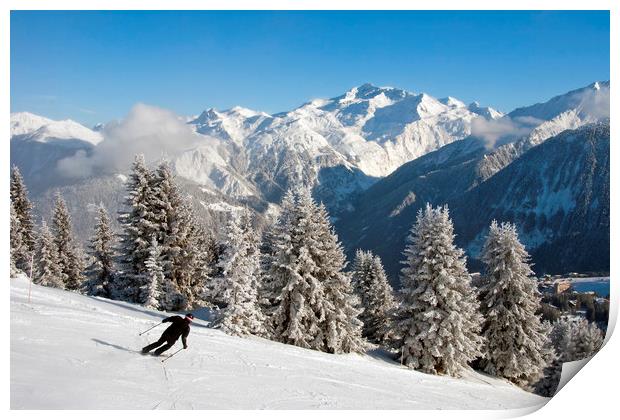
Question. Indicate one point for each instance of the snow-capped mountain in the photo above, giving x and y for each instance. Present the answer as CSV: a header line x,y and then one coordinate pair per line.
x,y
557,193
336,146
35,128
371,128
418,147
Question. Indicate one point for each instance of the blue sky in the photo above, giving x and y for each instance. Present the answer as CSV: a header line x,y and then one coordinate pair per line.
x,y
93,66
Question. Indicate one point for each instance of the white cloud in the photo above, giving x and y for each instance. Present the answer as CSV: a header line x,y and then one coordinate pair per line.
x,y
152,131
505,128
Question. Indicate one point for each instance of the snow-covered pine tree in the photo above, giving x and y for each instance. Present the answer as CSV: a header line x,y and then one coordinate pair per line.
x,y
438,323
201,256
48,271
316,306
101,273
547,385
70,255
153,290
572,340
359,274
300,304
341,327
240,276
585,340
23,209
19,254
517,342
138,227
376,296
172,223
275,259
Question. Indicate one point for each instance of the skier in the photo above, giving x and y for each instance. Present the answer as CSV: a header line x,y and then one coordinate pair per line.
x,y
179,328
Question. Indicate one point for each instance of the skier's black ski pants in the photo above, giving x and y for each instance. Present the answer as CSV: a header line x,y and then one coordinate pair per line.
x,y
162,340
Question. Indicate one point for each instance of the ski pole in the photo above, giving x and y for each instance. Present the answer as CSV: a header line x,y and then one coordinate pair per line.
x,y
149,329
171,355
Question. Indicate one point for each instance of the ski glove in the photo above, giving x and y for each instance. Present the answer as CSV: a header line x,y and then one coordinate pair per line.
x,y
184,346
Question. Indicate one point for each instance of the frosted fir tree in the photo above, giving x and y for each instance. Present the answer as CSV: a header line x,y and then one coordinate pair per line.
x,y
69,253
300,308
359,274
585,340
202,263
437,325
101,272
240,267
316,306
173,223
376,296
138,227
153,290
572,340
19,254
276,255
48,271
24,223
341,328
517,344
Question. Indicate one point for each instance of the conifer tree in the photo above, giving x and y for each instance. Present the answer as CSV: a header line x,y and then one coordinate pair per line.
x,y
101,272
575,339
376,296
517,343
437,325
69,254
572,340
274,244
316,306
300,305
202,257
48,271
240,277
359,273
153,290
19,254
342,328
587,340
173,224
138,228
23,209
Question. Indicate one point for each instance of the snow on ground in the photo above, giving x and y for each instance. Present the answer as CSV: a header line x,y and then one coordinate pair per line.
x,y
70,351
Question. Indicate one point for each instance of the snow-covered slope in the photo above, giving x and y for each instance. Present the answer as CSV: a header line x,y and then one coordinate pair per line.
x,y
336,146
75,352
569,111
35,128
372,128
339,147
556,192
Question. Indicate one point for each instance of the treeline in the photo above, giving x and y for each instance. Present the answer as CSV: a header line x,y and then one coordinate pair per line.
x,y
288,283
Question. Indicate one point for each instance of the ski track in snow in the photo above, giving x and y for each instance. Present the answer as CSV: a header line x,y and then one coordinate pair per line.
x,y
70,351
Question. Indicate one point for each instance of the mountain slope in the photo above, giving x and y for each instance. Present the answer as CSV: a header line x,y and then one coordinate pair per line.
x,y
558,195
569,200
75,352
421,148
35,128
338,147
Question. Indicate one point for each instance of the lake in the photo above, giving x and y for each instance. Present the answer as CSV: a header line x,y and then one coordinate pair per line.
x,y
600,285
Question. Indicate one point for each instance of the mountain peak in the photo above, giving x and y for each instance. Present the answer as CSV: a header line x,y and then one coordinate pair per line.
x,y
40,128
452,102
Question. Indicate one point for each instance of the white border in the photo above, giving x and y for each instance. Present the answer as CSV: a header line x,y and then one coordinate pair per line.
x,y
592,393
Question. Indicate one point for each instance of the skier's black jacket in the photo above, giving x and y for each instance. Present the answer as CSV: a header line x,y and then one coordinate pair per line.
x,y
179,328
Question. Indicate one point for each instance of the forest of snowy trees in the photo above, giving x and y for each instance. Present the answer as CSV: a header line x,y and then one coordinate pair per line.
x,y
290,282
